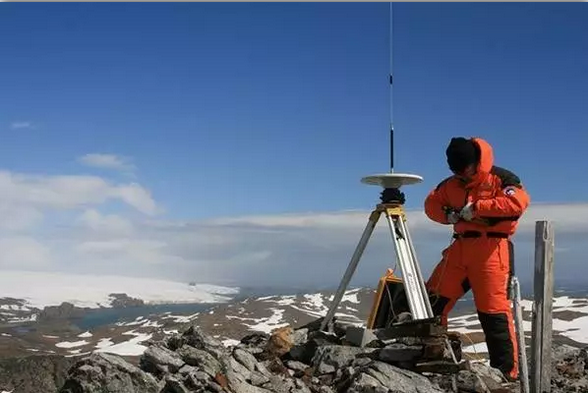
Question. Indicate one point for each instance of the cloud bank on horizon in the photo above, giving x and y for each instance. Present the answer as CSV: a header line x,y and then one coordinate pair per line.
x,y
68,224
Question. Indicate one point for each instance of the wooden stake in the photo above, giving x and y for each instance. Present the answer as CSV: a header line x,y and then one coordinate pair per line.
x,y
542,307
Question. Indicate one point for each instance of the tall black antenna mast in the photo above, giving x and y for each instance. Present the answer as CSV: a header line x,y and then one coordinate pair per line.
x,y
391,46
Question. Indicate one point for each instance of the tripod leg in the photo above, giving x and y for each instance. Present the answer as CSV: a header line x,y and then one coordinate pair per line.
x,y
414,285
418,300
367,233
417,267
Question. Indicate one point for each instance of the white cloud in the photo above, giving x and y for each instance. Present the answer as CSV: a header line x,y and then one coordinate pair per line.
x,y
136,196
24,253
16,218
110,224
68,192
107,161
290,249
62,223
21,124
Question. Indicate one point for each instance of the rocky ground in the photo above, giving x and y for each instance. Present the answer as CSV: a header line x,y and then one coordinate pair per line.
x,y
246,325
293,360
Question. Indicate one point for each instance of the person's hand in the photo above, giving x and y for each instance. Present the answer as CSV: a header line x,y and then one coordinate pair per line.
x,y
452,216
467,213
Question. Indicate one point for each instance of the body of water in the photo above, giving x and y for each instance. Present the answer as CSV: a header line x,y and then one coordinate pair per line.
x,y
107,316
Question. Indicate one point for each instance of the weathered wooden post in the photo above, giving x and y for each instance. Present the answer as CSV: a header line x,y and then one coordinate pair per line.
x,y
542,307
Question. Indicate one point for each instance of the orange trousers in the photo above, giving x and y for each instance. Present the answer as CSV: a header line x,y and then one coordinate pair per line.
x,y
485,265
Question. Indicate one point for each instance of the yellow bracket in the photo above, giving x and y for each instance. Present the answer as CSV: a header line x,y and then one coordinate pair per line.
x,y
391,209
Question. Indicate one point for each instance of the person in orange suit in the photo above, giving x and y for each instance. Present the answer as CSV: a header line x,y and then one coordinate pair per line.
x,y
483,202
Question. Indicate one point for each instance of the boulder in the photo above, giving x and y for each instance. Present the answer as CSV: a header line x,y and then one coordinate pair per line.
x,y
102,372
34,373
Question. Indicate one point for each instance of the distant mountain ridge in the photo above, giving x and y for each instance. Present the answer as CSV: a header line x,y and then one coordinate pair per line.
x,y
232,321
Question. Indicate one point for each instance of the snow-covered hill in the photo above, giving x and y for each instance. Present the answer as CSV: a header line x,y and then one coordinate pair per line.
x,y
41,289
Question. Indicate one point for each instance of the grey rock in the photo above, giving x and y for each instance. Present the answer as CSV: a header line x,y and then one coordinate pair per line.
x,y
195,337
305,352
359,336
569,372
469,381
263,369
192,381
186,369
400,353
237,386
258,339
279,384
197,379
380,374
214,387
34,373
447,383
173,385
329,358
245,358
492,377
361,362
325,389
242,372
299,336
157,359
296,366
254,343
254,350
365,383
258,379
102,372
200,359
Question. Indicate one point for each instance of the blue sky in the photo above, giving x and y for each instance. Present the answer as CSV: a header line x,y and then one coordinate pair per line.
x,y
193,111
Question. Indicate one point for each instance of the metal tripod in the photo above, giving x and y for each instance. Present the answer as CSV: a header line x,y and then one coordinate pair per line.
x,y
392,206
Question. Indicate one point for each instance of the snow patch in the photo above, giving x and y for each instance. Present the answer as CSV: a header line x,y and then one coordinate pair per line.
x,y
30,318
151,324
229,342
349,296
14,307
181,318
478,348
71,344
267,325
137,321
126,348
86,334
103,343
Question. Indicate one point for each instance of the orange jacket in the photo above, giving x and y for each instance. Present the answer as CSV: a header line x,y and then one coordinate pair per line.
x,y
498,195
